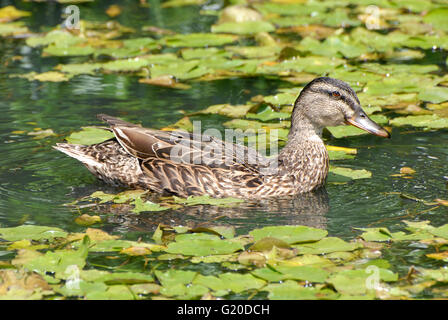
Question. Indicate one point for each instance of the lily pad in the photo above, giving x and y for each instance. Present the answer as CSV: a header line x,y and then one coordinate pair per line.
x,y
289,234
198,40
89,136
351,173
204,247
198,200
438,18
428,121
31,232
327,245
246,27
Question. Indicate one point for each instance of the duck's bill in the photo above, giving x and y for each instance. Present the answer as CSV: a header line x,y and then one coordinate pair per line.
x,y
362,121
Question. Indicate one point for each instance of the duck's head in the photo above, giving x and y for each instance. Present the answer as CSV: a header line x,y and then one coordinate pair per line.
x,y
326,102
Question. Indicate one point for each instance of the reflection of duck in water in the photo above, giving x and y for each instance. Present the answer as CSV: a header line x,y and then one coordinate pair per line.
x,y
140,157
307,209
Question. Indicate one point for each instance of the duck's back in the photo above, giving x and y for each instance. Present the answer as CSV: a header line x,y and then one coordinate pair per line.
x,y
176,162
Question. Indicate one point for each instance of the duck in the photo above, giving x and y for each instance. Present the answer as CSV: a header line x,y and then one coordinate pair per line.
x,y
191,164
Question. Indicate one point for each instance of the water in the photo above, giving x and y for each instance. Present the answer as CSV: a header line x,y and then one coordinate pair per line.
x,y
36,181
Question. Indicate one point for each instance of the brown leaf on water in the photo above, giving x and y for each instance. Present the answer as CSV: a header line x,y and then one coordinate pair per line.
x,y
19,280
94,235
40,134
407,170
136,251
252,258
314,31
10,13
439,256
113,11
442,202
157,30
87,220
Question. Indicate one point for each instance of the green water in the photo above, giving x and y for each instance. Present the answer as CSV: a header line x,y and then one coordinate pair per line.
x,y
36,181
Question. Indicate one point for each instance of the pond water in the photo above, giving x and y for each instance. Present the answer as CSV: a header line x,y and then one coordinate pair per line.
x,y
36,181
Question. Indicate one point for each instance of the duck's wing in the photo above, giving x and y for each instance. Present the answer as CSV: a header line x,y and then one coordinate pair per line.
x,y
183,147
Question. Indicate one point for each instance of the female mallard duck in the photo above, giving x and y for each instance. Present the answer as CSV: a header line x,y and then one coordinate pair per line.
x,y
187,164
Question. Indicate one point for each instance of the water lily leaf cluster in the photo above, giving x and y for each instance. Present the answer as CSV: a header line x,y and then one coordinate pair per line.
x,y
276,262
381,53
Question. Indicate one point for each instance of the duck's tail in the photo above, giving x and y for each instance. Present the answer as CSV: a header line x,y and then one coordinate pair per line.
x,y
107,160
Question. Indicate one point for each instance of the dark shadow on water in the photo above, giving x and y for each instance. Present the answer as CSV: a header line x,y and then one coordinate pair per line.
x,y
307,209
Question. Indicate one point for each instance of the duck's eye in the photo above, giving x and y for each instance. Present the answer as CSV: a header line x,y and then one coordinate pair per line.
x,y
335,94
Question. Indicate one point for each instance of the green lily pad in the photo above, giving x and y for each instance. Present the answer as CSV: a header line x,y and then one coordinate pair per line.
x,y
245,27
434,94
60,37
125,65
291,290
357,282
268,114
118,292
12,29
79,68
376,234
327,245
62,262
198,200
50,76
289,234
204,247
198,40
116,277
31,232
141,206
351,173
429,121
228,110
230,282
89,136
10,13
438,18
440,231
56,50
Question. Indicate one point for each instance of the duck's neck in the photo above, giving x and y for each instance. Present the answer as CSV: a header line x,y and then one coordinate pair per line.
x,y
305,156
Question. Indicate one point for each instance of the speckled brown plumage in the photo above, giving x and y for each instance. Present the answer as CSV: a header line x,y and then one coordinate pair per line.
x,y
185,164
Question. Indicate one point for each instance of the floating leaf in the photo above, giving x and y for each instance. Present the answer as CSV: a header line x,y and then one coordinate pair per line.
x,y
165,81
428,121
228,110
440,231
89,136
181,3
87,220
51,76
204,247
141,206
291,290
31,232
198,200
376,234
434,94
268,114
198,40
438,18
327,245
305,273
246,27
351,173
289,234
